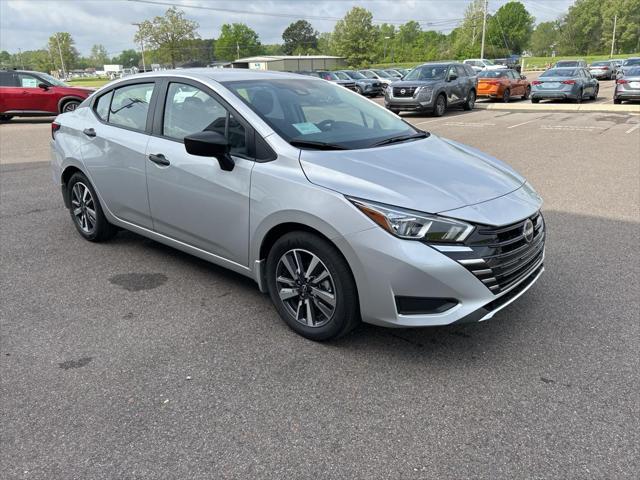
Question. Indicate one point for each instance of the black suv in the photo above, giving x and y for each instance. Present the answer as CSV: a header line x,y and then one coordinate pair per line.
x,y
369,87
432,87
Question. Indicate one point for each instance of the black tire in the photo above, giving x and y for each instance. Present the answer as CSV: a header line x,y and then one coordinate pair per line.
x,y
394,110
346,313
359,90
470,101
99,229
580,96
69,106
440,106
617,101
595,93
527,93
5,118
506,96
535,100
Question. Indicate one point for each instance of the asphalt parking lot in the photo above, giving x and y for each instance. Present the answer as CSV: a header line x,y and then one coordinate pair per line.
x,y
132,360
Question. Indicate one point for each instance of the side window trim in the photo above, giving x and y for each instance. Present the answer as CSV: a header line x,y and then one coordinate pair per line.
x,y
161,102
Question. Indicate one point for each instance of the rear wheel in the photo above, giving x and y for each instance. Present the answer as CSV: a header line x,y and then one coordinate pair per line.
x,y
358,89
440,106
5,118
595,92
70,106
86,211
471,100
535,100
527,93
311,286
617,101
506,96
580,96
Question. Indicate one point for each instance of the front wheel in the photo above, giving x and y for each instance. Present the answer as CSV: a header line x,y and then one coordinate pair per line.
x,y
359,90
471,100
506,96
527,93
595,93
440,106
312,287
86,211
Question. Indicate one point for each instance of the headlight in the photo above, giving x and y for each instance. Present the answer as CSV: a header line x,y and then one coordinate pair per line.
x,y
412,225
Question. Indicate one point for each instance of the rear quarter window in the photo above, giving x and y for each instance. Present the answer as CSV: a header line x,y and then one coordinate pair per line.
x,y
102,106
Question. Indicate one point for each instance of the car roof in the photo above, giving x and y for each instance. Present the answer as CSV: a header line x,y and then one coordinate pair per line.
x,y
219,74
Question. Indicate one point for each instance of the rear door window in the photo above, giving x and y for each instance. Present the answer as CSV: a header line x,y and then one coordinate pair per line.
x,y
130,106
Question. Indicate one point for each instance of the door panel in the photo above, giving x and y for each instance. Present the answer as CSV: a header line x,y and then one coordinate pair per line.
x,y
192,199
33,98
116,155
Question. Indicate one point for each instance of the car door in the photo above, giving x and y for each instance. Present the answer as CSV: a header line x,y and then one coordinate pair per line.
x,y
32,97
517,84
452,86
115,154
9,91
191,198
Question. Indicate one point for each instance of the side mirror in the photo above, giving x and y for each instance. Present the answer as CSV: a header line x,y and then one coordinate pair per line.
x,y
43,86
210,144
452,77
523,77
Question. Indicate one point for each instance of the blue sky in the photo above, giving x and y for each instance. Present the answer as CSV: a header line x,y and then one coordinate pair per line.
x,y
27,24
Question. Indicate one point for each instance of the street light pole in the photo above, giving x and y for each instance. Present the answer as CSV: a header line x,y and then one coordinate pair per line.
x,y
64,73
385,48
613,38
484,27
144,65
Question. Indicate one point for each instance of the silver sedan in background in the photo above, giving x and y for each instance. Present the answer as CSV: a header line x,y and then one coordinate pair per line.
x,y
628,86
565,84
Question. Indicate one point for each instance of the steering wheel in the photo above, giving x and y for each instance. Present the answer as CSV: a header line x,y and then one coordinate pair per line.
x,y
326,125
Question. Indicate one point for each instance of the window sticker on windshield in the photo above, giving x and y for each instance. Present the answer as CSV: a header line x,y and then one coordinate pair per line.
x,y
306,128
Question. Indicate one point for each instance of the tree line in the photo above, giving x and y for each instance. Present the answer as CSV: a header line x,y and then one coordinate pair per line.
x,y
173,39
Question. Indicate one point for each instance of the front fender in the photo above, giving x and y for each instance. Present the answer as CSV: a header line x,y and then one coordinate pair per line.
x,y
66,98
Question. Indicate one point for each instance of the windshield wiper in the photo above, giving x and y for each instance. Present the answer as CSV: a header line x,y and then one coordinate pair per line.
x,y
316,145
401,138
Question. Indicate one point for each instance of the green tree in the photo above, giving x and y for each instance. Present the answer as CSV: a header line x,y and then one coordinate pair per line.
x,y
325,44
407,41
511,27
544,38
627,25
354,35
299,38
272,49
237,40
129,58
61,44
466,38
581,30
169,35
385,45
98,56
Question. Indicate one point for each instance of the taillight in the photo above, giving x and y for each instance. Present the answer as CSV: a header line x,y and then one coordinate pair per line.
x,y
536,82
494,82
605,68
621,81
569,82
54,128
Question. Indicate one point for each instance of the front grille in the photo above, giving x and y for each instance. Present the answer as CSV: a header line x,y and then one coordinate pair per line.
x,y
404,91
502,256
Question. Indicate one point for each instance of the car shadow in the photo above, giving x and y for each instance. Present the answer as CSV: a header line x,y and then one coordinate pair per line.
x,y
29,120
571,297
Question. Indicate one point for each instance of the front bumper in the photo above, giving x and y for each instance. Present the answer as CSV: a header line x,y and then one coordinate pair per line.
x,y
415,103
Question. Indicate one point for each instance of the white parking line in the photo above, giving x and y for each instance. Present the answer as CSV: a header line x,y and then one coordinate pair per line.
x,y
428,121
466,124
573,128
635,127
523,123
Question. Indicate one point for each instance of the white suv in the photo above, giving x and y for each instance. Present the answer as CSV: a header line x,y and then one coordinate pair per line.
x,y
479,64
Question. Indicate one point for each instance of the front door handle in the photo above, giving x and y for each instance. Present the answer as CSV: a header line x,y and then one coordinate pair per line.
x,y
89,132
159,159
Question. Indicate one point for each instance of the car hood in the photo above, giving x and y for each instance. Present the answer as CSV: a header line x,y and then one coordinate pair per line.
x,y
80,91
415,83
430,175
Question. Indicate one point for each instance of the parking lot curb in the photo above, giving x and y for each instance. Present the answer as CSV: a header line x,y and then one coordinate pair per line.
x,y
559,107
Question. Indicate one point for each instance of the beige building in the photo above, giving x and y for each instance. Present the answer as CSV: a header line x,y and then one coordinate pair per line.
x,y
290,63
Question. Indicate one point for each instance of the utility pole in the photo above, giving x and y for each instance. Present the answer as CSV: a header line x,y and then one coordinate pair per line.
x,y
613,38
144,65
237,51
21,59
64,72
385,48
484,27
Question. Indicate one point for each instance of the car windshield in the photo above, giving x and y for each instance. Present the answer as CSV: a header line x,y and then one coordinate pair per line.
x,y
492,74
320,114
327,76
52,80
631,62
567,64
427,72
633,72
368,74
488,62
382,73
342,75
355,75
560,72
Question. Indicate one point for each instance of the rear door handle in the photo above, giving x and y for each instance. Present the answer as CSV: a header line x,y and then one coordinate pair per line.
x,y
89,132
159,159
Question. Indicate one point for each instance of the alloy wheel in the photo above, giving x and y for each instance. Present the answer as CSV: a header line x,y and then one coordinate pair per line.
x,y
440,106
306,288
84,208
70,107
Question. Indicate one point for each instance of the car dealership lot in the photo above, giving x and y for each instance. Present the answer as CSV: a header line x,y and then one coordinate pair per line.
x,y
132,360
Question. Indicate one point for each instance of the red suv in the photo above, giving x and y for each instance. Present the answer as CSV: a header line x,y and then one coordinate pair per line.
x,y
34,94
